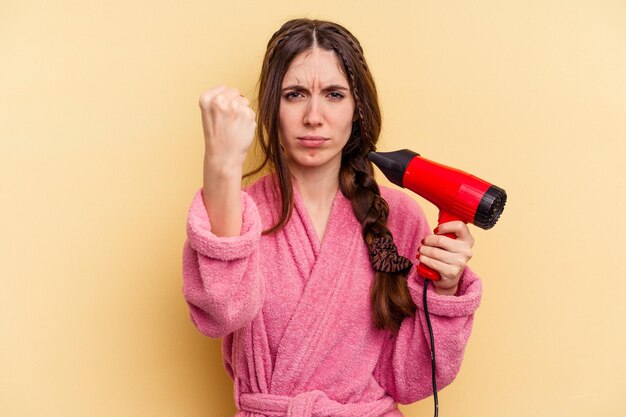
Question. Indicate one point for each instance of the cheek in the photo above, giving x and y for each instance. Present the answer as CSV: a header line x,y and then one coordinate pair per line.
x,y
345,114
286,119
343,120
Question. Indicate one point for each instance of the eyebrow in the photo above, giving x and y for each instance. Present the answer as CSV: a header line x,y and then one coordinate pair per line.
x,y
298,87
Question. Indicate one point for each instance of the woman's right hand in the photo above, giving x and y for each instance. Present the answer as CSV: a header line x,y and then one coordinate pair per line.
x,y
229,124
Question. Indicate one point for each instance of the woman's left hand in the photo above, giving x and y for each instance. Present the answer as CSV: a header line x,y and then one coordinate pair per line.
x,y
447,256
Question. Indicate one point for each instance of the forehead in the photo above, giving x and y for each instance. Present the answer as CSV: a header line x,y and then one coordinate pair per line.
x,y
315,66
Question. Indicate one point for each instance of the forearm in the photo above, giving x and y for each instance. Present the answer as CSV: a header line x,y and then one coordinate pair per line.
x,y
221,195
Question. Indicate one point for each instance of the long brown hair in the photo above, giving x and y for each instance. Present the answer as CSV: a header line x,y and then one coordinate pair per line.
x,y
390,298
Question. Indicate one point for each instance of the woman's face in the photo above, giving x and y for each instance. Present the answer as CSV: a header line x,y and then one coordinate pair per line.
x,y
316,111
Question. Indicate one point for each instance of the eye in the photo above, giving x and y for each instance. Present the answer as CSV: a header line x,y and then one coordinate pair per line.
x,y
336,95
292,95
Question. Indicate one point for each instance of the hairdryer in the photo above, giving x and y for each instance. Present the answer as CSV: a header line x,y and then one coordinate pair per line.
x,y
457,194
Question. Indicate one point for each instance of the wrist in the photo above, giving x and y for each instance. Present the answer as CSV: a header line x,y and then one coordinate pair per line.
x,y
222,169
446,291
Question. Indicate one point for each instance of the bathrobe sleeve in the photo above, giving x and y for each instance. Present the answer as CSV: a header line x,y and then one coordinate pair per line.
x,y
404,366
222,283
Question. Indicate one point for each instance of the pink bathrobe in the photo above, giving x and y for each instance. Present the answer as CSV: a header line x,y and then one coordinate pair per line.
x,y
295,316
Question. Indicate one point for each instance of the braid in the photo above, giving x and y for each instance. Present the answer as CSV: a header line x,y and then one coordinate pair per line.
x,y
390,297
276,41
361,134
349,37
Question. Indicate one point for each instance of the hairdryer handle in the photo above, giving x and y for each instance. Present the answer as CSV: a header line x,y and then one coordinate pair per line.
x,y
427,272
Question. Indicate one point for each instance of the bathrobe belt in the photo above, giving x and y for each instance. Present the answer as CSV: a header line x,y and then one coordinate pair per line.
x,y
311,404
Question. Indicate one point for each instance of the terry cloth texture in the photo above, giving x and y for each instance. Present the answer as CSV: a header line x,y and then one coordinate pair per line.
x,y
294,312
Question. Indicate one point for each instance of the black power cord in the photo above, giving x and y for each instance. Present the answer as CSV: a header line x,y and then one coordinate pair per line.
x,y
432,347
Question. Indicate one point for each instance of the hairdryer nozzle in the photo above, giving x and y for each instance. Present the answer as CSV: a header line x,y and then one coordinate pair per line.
x,y
490,207
393,164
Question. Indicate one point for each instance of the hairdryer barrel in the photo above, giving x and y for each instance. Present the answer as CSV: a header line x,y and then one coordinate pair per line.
x,y
457,194
454,192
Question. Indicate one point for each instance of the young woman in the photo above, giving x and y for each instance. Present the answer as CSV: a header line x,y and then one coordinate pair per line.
x,y
304,274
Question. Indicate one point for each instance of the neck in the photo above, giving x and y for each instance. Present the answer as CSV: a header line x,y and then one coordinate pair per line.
x,y
317,186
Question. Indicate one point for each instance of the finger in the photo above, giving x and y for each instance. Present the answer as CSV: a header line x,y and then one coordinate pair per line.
x,y
224,99
230,94
251,114
454,226
207,96
447,271
240,101
245,101
457,227
447,257
449,244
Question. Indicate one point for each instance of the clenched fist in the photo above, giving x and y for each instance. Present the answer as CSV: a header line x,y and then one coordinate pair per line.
x,y
229,124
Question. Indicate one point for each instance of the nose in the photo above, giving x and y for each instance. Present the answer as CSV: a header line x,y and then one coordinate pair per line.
x,y
313,112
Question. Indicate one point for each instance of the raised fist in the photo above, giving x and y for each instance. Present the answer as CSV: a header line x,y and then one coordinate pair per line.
x,y
229,124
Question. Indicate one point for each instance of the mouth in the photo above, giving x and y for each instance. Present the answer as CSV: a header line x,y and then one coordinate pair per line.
x,y
312,141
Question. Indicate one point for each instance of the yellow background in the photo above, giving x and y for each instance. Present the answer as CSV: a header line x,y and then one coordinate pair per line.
x,y
101,152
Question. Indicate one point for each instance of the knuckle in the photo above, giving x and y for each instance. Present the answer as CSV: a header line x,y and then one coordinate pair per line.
x,y
456,271
458,262
203,101
220,103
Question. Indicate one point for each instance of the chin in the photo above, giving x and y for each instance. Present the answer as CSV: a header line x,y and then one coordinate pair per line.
x,y
308,159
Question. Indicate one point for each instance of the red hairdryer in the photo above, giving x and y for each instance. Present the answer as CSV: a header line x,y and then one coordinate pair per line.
x,y
457,194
